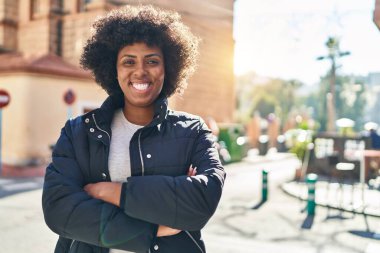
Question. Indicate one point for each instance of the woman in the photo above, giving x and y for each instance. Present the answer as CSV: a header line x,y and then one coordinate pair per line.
x,y
132,175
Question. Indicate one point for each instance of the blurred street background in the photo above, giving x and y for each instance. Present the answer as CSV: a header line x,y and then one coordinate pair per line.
x,y
239,225
290,89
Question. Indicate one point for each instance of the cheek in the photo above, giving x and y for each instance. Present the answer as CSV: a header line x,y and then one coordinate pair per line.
x,y
162,76
123,78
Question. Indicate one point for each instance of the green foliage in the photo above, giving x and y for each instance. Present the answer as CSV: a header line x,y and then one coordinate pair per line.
x,y
278,96
265,105
317,100
298,140
299,149
350,100
265,96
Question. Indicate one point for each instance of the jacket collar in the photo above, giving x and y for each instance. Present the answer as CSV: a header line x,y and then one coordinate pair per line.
x,y
101,118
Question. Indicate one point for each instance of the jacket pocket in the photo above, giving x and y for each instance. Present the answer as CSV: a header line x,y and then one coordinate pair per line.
x,y
198,243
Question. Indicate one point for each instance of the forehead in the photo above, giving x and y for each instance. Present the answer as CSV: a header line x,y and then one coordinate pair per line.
x,y
139,49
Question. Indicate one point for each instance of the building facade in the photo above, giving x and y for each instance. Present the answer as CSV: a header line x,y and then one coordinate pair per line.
x,y
376,14
40,45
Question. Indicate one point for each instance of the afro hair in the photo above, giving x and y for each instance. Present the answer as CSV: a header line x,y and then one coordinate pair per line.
x,y
147,24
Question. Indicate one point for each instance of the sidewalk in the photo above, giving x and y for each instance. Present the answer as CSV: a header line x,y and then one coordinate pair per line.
x,y
17,179
347,198
358,199
10,186
278,224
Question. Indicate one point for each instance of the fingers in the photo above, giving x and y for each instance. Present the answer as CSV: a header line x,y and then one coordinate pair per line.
x,y
92,189
192,171
87,187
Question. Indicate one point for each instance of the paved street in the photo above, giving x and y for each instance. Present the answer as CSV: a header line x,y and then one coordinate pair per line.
x,y
236,227
10,186
276,225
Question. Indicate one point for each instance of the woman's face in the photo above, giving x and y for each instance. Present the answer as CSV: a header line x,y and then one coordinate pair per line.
x,y
140,72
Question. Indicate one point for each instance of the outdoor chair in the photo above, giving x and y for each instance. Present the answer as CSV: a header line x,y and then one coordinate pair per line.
x,y
343,174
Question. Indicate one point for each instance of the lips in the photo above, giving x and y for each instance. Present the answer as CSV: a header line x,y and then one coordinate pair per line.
x,y
140,86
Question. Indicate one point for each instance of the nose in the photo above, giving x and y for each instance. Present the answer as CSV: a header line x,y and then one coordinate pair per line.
x,y
140,71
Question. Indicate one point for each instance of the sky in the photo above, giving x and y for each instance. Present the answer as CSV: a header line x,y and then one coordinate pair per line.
x,y
283,38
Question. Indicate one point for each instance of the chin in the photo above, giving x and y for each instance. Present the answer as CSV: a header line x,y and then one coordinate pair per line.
x,y
141,103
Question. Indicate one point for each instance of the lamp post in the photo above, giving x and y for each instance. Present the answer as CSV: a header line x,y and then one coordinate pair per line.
x,y
334,53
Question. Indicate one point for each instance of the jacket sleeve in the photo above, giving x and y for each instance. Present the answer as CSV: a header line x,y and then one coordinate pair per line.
x,y
182,202
70,212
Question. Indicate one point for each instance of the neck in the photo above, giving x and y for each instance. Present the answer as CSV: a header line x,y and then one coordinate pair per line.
x,y
139,115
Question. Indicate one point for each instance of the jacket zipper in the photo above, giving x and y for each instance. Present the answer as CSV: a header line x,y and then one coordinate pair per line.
x,y
192,238
142,162
142,166
109,137
107,147
141,156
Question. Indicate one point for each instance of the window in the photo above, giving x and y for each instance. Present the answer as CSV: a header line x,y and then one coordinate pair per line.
x,y
323,147
353,149
35,9
81,5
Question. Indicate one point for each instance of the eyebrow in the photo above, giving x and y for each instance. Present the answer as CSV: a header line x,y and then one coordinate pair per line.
x,y
146,56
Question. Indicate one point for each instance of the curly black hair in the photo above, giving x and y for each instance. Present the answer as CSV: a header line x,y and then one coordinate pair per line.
x,y
148,24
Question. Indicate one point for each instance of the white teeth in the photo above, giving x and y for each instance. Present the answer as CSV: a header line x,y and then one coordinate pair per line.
x,y
140,86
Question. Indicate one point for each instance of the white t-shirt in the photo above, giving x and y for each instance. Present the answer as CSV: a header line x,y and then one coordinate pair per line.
x,y
119,164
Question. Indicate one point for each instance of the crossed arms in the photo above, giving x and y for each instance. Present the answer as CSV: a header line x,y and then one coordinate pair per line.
x,y
74,210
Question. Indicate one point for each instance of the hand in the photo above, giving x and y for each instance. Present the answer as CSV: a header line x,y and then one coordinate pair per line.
x,y
166,231
107,191
192,171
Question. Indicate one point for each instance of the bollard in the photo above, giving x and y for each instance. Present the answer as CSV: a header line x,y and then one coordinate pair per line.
x,y
264,186
311,180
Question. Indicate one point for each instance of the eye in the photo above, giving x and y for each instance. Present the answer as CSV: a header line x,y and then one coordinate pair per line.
x,y
153,62
128,62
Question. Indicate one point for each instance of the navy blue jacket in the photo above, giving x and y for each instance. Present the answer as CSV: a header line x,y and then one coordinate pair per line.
x,y
158,192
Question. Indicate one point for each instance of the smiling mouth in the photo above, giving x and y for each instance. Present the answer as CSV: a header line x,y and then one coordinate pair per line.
x,y
140,86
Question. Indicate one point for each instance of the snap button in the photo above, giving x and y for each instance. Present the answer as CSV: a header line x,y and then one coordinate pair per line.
x,y
148,156
104,176
92,130
87,120
155,247
100,136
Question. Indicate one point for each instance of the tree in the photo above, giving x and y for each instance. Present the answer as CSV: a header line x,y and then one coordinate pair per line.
x,y
265,95
350,99
265,105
